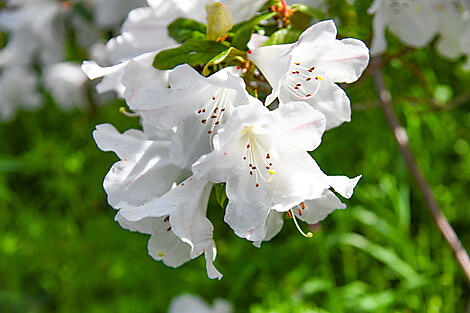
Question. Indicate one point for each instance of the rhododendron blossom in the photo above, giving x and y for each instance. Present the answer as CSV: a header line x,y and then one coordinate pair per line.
x,y
309,69
200,131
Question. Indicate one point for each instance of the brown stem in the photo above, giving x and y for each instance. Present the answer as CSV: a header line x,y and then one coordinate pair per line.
x,y
402,140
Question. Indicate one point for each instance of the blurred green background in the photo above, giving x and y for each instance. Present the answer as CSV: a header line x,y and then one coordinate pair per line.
x,y
61,251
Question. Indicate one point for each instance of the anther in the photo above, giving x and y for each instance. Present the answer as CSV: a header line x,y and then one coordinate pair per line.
x,y
250,165
296,72
251,172
289,214
303,205
270,164
222,110
166,219
248,146
308,78
267,167
257,185
203,121
319,78
297,63
168,229
267,156
214,116
298,85
217,123
209,131
308,95
244,158
300,212
312,68
216,109
203,110
213,98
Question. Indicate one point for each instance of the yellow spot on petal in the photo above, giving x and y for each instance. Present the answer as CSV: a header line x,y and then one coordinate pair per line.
x,y
418,8
160,253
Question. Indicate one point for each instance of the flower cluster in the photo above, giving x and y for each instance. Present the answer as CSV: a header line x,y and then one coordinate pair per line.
x,y
417,22
199,131
38,33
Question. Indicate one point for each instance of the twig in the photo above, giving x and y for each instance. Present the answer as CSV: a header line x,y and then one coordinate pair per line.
x,y
402,140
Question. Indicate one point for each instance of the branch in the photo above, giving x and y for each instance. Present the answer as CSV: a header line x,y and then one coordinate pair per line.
x,y
402,140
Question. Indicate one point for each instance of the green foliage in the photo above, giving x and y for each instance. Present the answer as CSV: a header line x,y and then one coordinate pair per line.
x,y
193,52
226,56
282,36
243,31
182,29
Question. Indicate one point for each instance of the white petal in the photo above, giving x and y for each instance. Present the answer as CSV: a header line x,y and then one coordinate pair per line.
x,y
318,209
165,245
321,31
139,76
338,60
379,43
188,219
145,171
344,185
273,62
299,125
333,102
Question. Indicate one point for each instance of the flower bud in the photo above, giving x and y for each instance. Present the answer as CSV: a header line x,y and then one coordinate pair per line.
x,y
219,20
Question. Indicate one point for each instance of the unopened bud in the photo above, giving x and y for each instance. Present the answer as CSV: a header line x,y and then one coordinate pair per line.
x,y
219,20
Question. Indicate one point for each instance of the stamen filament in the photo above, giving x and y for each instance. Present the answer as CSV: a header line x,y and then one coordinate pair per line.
x,y
306,235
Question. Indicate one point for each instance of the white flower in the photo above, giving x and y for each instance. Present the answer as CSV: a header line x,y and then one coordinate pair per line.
x,y
187,303
262,157
145,170
65,81
185,207
195,106
140,185
309,69
112,75
110,13
454,18
413,21
36,18
17,89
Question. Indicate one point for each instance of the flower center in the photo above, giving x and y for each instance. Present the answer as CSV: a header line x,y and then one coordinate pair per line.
x,y
257,157
213,111
302,82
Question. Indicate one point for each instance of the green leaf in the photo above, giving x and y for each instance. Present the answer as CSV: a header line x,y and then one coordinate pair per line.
x,y
243,31
182,29
192,51
282,36
227,56
220,194
315,13
300,20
